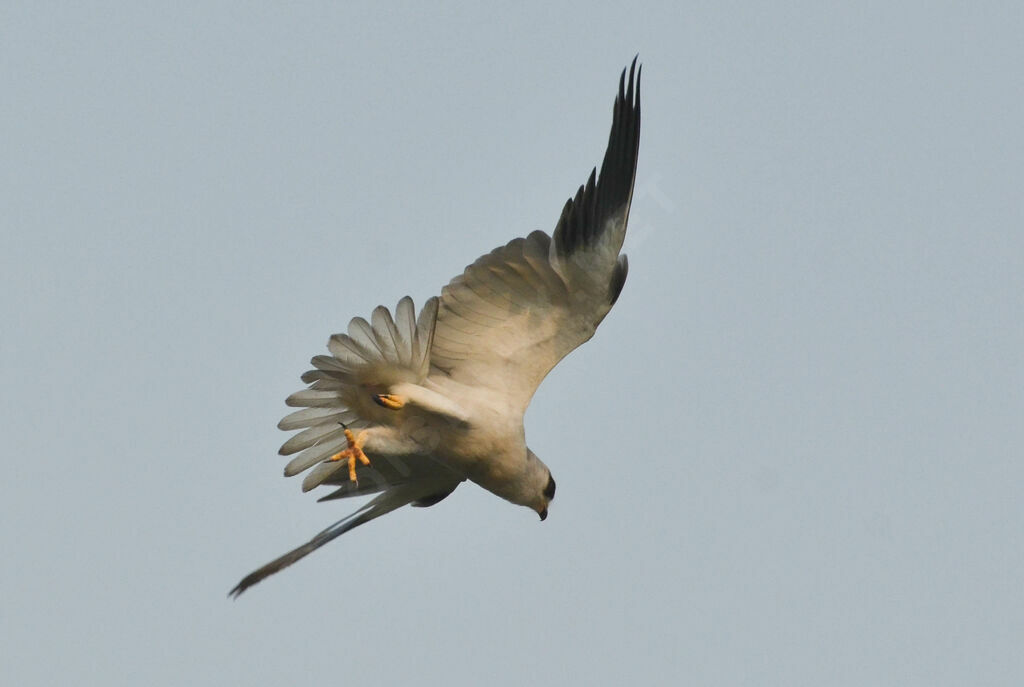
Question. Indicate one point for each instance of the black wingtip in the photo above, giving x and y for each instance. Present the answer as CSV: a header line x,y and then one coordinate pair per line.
x,y
634,68
629,91
584,217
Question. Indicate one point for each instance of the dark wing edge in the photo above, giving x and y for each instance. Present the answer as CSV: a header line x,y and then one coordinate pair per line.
x,y
513,314
587,217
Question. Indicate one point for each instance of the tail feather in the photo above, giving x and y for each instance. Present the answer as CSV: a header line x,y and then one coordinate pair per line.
x,y
393,498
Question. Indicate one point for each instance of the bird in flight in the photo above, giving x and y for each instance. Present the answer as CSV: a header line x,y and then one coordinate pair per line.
x,y
408,407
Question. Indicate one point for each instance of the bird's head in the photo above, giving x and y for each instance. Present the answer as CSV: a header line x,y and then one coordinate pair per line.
x,y
549,495
543,485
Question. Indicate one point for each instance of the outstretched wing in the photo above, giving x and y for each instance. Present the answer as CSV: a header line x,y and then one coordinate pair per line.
x,y
517,311
367,360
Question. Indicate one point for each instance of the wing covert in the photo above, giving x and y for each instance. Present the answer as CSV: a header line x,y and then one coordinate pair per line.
x,y
513,314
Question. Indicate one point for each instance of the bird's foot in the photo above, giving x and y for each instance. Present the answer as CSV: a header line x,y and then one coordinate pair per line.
x,y
353,453
391,401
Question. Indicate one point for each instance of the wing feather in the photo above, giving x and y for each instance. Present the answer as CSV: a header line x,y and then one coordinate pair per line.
x,y
518,310
365,361
360,331
313,455
312,398
307,417
405,326
387,334
424,337
310,437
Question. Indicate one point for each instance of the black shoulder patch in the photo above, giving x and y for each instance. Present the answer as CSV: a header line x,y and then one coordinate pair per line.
x,y
618,279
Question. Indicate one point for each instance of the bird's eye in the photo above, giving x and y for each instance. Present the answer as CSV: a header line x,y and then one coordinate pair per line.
x,y
549,490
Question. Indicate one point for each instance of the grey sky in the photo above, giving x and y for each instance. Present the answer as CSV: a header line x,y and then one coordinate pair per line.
x,y
790,456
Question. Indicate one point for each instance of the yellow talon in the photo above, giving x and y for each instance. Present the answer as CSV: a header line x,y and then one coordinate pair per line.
x,y
392,401
353,453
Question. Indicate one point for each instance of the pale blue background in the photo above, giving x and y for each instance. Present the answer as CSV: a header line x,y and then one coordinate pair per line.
x,y
792,455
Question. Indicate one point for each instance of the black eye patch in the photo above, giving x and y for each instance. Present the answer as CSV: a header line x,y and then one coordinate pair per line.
x,y
549,490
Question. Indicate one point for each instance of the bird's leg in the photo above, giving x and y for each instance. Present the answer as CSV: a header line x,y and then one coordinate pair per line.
x,y
391,401
353,453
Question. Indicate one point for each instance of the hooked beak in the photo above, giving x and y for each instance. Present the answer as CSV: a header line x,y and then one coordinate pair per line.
x,y
543,514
